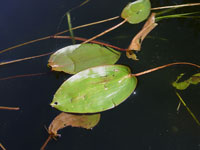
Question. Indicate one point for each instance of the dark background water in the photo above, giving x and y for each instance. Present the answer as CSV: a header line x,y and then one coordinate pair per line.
x,y
147,120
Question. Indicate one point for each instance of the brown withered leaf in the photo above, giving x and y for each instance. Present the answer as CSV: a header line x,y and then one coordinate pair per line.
x,y
75,120
138,39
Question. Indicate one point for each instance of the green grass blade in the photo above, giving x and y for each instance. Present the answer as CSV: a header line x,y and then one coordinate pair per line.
x,y
175,16
70,27
165,11
190,112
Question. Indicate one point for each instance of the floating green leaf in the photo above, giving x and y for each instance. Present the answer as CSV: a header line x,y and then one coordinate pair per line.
x,y
75,58
137,11
194,79
95,89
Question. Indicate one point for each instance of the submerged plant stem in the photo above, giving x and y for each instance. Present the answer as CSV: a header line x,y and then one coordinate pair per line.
x,y
164,66
9,108
190,112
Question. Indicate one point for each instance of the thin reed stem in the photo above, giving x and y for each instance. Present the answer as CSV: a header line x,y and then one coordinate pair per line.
x,y
20,76
26,43
46,142
96,42
26,58
188,109
60,37
176,6
9,108
65,31
106,31
89,24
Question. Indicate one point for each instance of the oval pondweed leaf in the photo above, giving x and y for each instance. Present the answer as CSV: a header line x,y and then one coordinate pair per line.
x,y
137,11
75,58
95,89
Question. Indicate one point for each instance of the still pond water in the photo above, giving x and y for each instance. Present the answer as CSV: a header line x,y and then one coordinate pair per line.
x,y
147,120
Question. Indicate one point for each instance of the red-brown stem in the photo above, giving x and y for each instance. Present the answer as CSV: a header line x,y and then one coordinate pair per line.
x,y
176,6
48,37
23,75
3,148
60,37
46,142
89,24
81,26
26,43
9,108
26,58
96,42
106,31
164,66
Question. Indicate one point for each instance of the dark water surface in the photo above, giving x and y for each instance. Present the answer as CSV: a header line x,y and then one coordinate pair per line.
x,y
147,120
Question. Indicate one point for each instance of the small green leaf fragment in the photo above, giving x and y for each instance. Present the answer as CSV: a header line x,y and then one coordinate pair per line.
x,y
75,58
95,89
194,79
137,11
181,85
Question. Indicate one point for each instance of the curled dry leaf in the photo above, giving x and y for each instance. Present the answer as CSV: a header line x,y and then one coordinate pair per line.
x,y
75,120
137,40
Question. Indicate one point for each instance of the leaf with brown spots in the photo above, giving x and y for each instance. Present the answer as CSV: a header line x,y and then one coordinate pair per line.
x,y
75,120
